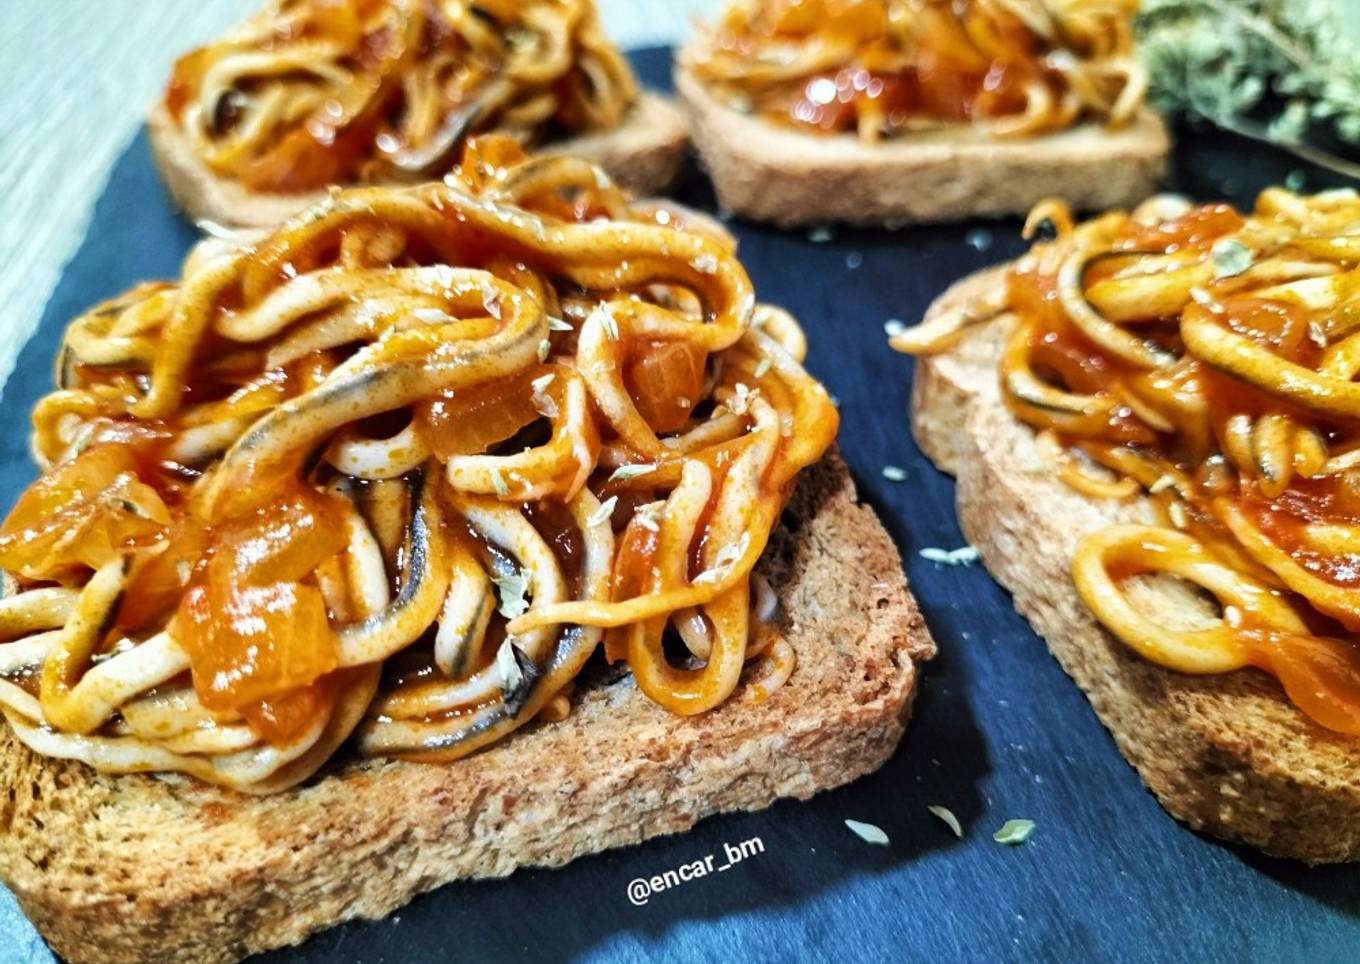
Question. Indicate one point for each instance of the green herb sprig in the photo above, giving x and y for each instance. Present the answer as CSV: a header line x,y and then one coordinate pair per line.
x,y
1278,71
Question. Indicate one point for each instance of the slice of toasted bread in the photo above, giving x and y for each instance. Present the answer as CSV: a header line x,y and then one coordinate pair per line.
x,y
1227,754
643,154
124,868
769,173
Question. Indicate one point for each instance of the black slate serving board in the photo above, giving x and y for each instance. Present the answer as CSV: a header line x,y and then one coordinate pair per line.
x,y
999,730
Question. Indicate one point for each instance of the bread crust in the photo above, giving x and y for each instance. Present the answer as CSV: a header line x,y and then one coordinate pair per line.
x,y
769,173
643,154
1226,754
130,868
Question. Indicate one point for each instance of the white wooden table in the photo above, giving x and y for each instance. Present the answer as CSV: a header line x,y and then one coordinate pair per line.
x,y
78,76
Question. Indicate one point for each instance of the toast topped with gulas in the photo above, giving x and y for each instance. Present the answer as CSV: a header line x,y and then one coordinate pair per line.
x,y
440,531
897,111
1152,422
308,94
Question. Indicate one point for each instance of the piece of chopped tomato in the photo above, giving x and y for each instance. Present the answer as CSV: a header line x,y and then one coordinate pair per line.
x,y
248,644
253,623
83,513
1320,675
471,420
160,573
665,379
1201,225
282,542
280,718
632,566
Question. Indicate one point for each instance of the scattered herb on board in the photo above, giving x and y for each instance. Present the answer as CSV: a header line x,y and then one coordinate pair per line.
x,y
1014,832
947,815
868,832
962,556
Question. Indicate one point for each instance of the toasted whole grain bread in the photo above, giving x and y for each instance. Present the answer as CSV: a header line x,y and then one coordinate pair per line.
x,y
769,173
643,154
1226,754
125,868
